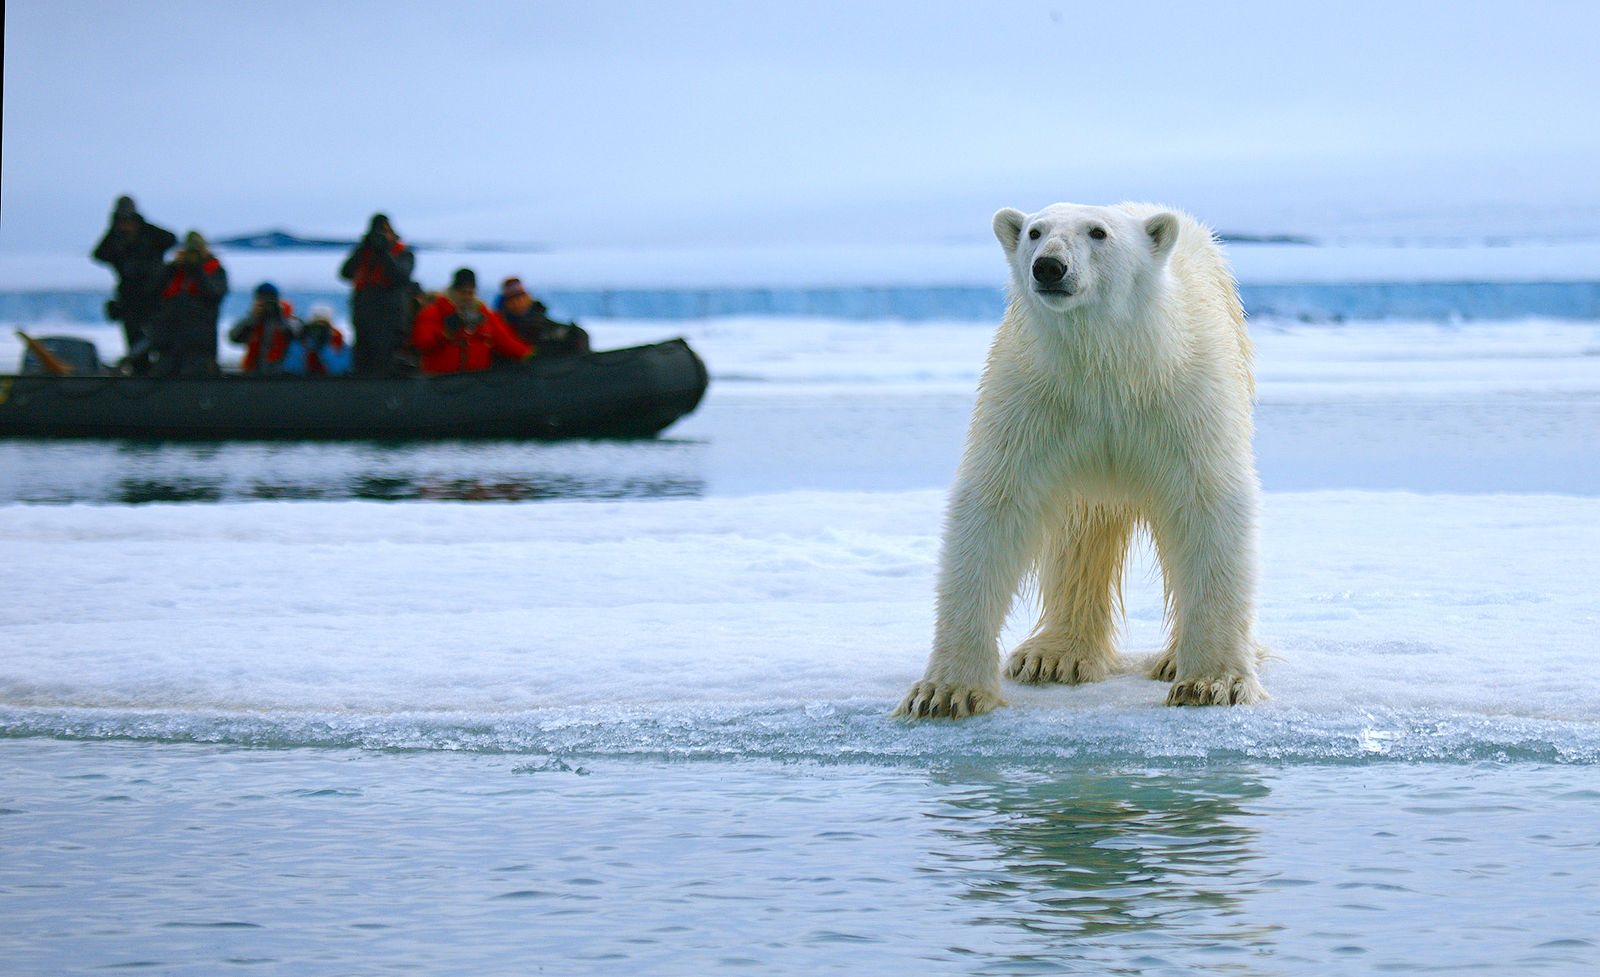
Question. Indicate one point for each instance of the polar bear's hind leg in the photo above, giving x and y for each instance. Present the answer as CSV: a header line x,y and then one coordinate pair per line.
x,y
1080,586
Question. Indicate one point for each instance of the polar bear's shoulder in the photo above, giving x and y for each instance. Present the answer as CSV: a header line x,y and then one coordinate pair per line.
x,y
1199,266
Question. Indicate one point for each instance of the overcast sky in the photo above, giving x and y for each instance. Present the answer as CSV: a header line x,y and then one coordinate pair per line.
x,y
659,123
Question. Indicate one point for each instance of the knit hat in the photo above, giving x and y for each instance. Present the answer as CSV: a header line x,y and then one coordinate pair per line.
x,y
511,288
266,290
322,312
124,208
464,278
194,241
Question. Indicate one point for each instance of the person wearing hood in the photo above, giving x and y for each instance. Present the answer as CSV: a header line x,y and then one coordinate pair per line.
x,y
456,332
267,332
183,331
379,272
136,250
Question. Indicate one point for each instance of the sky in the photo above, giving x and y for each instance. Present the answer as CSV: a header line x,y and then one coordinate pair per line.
x,y
603,124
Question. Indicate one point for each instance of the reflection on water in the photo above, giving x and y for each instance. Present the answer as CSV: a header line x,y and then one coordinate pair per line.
x,y
145,490
1107,858
103,472
123,854
134,491
734,444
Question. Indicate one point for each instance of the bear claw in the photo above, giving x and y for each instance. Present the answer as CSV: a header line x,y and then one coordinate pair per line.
x,y
930,700
1219,690
1166,668
1032,663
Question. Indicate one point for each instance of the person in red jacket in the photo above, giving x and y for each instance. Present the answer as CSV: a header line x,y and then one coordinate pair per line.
x,y
457,332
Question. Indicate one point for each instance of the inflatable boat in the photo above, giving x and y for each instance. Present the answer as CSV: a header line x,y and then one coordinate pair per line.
x,y
624,393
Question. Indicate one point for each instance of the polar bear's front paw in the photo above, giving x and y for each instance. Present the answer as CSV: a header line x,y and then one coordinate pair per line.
x,y
928,700
1216,690
1043,659
1166,667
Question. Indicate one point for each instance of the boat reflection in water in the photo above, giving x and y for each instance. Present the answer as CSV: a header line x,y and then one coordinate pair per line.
x,y
113,472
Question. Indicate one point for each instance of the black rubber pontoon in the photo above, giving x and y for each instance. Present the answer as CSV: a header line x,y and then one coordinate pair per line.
x,y
625,393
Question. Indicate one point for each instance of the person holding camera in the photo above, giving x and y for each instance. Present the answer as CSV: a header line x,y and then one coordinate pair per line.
x,y
530,320
320,350
267,333
379,272
136,250
456,332
183,331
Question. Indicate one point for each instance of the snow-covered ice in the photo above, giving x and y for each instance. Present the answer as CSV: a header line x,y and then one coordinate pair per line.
x,y
1372,599
1396,617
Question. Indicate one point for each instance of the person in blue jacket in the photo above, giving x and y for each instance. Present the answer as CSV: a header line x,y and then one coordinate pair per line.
x,y
320,349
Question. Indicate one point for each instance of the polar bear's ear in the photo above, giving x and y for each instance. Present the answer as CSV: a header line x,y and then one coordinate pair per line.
x,y
1008,227
1163,232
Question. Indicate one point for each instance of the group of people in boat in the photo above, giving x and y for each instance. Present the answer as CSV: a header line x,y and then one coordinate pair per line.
x,y
275,341
169,312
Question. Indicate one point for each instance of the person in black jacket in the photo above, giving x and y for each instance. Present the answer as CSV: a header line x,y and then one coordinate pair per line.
x,y
379,272
529,319
183,332
136,250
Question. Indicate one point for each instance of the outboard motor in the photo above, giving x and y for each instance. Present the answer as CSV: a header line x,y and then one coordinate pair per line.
x,y
78,355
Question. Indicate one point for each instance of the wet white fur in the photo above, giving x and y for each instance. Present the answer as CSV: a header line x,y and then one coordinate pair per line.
x,y
1125,404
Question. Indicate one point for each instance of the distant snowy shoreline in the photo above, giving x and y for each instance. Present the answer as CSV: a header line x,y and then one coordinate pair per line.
x,y
1307,284
974,264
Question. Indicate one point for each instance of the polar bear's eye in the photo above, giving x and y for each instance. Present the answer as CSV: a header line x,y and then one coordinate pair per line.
x,y
1033,235
1098,233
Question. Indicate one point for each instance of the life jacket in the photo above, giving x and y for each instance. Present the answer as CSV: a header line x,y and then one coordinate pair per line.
x,y
282,336
187,279
370,273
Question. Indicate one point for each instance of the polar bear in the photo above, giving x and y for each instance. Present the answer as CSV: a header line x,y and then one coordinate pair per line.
x,y
1117,395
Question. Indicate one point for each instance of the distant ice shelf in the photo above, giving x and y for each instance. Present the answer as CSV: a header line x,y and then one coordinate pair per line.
x,y
950,281
1302,302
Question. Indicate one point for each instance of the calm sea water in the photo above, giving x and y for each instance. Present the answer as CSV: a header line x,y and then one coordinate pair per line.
x,y
744,441
204,859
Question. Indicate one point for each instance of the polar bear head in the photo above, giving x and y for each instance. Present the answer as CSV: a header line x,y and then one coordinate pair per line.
x,y
1069,257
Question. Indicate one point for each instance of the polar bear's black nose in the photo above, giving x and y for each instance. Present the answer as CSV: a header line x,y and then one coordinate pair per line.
x,y
1049,271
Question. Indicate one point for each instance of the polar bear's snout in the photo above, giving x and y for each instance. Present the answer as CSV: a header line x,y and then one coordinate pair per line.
x,y
1050,273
